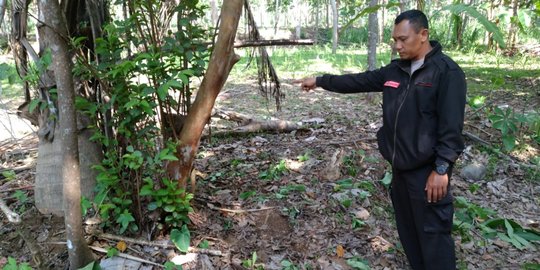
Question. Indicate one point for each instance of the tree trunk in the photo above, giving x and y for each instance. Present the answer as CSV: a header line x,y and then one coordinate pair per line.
x,y
373,35
489,35
420,4
512,34
2,12
213,12
48,188
276,17
221,62
382,15
56,31
317,18
335,26
327,6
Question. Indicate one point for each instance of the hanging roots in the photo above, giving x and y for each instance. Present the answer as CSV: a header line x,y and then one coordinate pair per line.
x,y
268,80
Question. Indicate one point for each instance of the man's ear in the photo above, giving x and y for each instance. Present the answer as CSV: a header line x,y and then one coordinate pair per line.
x,y
425,34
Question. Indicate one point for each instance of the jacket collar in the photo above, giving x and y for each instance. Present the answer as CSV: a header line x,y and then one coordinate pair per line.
x,y
436,48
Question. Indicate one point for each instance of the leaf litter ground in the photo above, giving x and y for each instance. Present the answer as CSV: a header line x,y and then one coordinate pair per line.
x,y
313,197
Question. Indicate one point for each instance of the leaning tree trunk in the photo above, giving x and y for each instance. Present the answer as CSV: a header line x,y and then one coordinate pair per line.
x,y
57,34
221,62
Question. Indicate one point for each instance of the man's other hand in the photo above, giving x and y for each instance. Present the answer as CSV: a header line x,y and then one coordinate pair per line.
x,y
306,84
436,187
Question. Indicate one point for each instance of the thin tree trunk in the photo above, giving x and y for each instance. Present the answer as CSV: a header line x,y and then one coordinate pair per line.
x,y
489,35
56,31
326,3
512,35
382,15
373,35
213,14
276,17
221,62
335,26
317,18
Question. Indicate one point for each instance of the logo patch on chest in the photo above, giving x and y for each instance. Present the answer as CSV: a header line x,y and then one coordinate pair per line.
x,y
426,84
392,84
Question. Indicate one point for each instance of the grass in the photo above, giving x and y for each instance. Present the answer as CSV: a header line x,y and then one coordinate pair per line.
x,y
10,83
485,72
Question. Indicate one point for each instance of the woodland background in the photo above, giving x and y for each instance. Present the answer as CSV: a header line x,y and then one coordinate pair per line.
x,y
155,133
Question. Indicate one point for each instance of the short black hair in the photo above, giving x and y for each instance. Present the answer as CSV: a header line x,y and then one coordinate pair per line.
x,y
415,17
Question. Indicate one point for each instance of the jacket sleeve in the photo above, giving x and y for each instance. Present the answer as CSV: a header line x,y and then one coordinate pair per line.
x,y
450,111
369,81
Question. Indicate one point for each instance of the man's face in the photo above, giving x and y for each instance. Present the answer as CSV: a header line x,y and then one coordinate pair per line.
x,y
407,42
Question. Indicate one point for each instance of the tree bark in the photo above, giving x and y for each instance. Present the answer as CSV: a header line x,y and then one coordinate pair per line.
x,y
420,4
335,26
221,62
2,12
373,35
56,31
213,12
513,25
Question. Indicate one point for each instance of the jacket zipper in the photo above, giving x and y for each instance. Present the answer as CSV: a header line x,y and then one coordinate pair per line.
x,y
397,116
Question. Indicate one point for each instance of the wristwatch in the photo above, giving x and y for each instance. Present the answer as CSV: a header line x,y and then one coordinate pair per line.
x,y
441,167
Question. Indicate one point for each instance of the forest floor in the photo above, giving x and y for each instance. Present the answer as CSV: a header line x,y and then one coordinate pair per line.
x,y
313,198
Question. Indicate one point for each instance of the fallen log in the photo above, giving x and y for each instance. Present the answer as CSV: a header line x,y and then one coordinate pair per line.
x,y
248,124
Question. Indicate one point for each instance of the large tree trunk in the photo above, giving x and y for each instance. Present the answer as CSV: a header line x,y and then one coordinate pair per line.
x,y
56,32
48,184
335,26
221,62
373,35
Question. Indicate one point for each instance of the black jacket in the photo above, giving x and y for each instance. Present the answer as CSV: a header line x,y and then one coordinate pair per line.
x,y
422,112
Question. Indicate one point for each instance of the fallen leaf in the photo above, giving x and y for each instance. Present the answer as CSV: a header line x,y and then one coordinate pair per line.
x,y
121,246
340,251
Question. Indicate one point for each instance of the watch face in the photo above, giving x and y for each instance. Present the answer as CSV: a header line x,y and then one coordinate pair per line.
x,y
441,169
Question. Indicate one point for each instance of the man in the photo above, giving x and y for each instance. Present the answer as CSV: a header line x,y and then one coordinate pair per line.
x,y
423,110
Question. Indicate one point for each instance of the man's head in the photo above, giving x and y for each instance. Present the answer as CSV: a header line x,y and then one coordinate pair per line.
x,y
411,35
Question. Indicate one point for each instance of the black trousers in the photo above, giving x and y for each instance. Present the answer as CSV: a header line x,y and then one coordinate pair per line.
x,y
424,228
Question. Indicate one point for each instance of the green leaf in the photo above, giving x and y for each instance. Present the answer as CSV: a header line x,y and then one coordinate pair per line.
x,y
90,266
111,252
124,219
247,194
166,154
358,264
458,9
509,228
169,208
181,238
509,142
152,206
387,180
33,105
85,205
